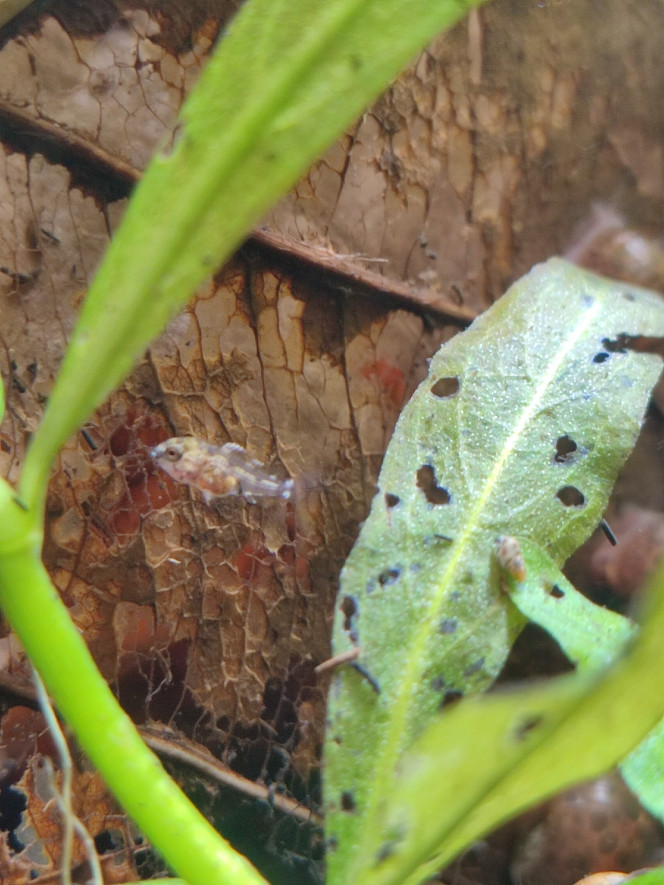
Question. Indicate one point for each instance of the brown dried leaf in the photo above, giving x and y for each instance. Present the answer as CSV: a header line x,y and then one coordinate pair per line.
x,y
36,841
470,168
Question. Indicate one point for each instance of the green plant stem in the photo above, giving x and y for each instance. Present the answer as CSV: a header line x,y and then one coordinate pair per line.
x,y
134,774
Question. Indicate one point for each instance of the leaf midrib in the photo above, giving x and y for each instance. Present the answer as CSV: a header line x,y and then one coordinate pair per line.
x,y
385,761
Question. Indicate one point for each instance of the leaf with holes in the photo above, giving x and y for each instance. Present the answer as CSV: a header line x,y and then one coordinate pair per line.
x,y
493,756
519,429
591,637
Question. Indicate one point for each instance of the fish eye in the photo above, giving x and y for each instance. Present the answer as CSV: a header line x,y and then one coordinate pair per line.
x,y
172,454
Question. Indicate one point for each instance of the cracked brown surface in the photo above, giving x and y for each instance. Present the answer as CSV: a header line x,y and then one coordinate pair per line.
x,y
477,162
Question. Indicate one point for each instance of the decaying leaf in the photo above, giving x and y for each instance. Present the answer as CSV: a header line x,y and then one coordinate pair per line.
x,y
520,428
462,176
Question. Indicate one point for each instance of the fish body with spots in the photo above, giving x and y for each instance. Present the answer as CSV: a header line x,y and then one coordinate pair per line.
x,y
218,471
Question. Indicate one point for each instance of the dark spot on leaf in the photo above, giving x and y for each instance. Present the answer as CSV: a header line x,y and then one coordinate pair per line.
x,y
450,697
556,592
390,845
332,843
455,596
389,576
570,496
474,667
524,728
436,539
337,739
447,625
600,357
347,801
619,344
445,387
349,609
391,500
365,674
565,447
438,684
386,850
629,296
426,481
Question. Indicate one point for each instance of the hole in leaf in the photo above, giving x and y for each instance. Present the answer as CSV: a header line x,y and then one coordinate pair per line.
x,y
445,387
600,357
556,592
349,610
565,447
109,840
14,803
426,480
347,801
391,500
570,496
389,576
450,697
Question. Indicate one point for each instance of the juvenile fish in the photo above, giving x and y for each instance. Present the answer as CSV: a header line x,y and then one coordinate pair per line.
x,y
218,470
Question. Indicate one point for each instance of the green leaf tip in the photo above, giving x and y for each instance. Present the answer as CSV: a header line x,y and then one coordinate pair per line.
x,y
591,636
519,429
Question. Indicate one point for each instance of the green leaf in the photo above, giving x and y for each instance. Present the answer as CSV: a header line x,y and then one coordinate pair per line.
x,y
647,877
643,771
519,429
493,756
284,82
590,636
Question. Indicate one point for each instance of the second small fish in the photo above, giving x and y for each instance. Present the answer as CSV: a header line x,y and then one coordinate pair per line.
x,y
218,470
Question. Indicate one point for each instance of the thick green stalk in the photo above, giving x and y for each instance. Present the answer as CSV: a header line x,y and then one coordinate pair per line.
x,y
134,774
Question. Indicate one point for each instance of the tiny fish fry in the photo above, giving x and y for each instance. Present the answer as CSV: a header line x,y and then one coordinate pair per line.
x,y
218,470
